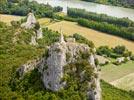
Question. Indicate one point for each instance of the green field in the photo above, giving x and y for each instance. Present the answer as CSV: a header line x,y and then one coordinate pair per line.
x,y
120,76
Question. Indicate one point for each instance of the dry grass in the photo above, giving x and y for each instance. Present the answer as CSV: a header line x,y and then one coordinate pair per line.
x,y
8,18
98,38
46,21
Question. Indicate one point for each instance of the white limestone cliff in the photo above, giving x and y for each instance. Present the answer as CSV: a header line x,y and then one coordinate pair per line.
x,y
52,67
31,24
31,21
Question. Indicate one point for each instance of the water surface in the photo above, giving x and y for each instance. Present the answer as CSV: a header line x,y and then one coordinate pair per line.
x,y
93,7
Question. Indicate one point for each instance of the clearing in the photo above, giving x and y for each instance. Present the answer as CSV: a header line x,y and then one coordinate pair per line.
x,y
99,38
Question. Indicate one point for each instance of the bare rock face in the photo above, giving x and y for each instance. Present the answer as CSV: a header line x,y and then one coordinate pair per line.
x,y
52,68
61,54
31,21
53,71
30,65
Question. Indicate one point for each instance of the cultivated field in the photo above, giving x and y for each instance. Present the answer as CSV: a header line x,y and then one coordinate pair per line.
x,y
8,18
121,76
126,82
98,38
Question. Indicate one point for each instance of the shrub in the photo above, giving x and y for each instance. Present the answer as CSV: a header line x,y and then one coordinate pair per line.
x,y
15,24
132,57
81,13
119,49
107,28
104,50
82,39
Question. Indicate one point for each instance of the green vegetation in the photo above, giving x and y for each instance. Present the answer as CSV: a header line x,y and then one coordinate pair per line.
x,y
24,6
12,55
121,76
81,39
120,27
81,13
30,87
108,28
118,51
124,3
112,93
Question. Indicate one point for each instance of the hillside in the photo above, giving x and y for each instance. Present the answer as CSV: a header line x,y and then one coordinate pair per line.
x,y
31,87
48,55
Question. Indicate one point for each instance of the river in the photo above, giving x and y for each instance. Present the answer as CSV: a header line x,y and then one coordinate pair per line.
x,y
93,7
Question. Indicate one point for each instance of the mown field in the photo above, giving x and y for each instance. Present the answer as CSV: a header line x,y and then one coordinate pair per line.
x,y
121,76
8,18
126,82
98,38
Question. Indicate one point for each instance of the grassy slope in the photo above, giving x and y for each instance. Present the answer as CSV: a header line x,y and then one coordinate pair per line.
x,y
98,38
12,57
109,92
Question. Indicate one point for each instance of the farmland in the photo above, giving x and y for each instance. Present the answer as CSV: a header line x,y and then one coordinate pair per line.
x,y
121,76
98,38
8,18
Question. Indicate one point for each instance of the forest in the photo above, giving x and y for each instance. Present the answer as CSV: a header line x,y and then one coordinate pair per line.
x,y
21,8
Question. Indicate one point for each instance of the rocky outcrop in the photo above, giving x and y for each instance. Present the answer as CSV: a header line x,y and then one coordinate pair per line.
x,y
52,68
32,23
61,54
29,65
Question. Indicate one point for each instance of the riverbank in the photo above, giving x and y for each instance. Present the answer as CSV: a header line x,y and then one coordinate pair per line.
x,y
114,3
115,11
